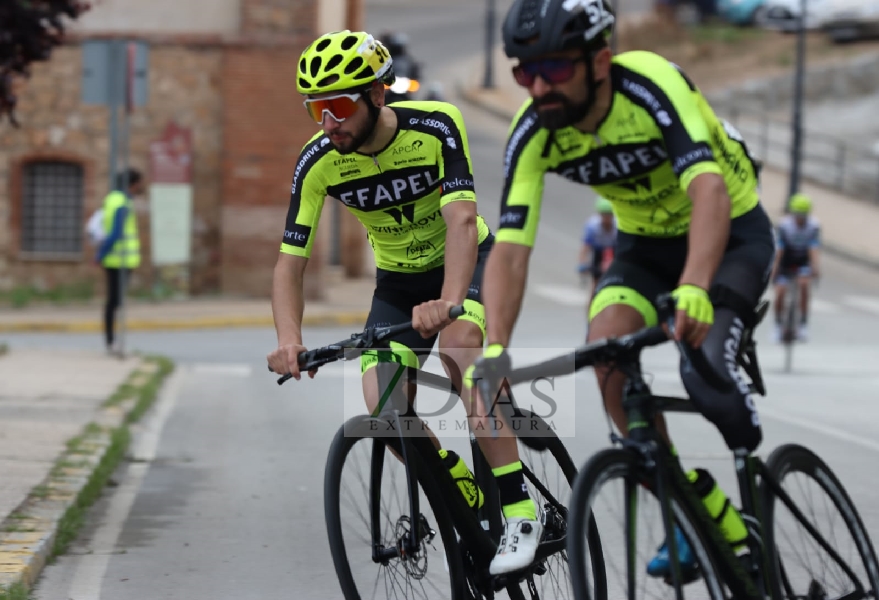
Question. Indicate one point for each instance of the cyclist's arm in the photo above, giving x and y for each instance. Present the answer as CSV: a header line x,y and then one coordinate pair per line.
x,y
587,247
458,205
461,249
503,287
288,299
306,202
814,251
507,268
709,229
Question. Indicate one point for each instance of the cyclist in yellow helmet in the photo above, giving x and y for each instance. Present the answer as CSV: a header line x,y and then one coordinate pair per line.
x,y
599,241
405,172
798,242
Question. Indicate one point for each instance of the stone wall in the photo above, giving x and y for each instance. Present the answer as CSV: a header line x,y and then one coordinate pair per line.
x,y
184,85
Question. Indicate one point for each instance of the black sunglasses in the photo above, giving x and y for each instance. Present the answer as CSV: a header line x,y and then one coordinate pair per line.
x,y
551,70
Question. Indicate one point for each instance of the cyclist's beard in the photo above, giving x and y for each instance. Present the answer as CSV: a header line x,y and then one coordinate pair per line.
x,y
565,116
359,138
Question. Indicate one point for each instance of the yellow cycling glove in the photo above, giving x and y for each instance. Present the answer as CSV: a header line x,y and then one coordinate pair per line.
x,y
694,301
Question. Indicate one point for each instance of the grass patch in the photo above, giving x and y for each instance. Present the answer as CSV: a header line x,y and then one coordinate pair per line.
x,y
24,295
16,591
725,34
74,517
71,522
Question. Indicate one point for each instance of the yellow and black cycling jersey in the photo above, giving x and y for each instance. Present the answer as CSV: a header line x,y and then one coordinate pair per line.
x,y
398,194
659,134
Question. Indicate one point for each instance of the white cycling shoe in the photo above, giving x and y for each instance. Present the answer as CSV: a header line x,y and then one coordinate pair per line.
x,y
518,546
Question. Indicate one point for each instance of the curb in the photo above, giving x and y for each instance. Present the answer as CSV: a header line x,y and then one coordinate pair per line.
x,y
329,320
42,526
472,98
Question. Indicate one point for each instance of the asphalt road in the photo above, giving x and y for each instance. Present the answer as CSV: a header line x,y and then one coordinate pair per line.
x,y
224,499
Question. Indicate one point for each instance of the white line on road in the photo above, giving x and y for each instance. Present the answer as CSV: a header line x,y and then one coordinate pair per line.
x,y
839,434
91,568
563,294
231,369
863,303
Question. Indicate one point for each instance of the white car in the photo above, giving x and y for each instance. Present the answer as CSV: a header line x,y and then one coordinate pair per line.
x,y
784,15
851,20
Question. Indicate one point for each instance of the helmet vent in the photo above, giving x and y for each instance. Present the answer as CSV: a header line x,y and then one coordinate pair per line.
x,y
355,64
328,80
349,42
529,15
322,45
366,72
333,62
303,66
304,83
315,66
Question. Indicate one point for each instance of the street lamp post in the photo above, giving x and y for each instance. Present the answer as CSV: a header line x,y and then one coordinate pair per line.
x,y
797,122
615,4
490,18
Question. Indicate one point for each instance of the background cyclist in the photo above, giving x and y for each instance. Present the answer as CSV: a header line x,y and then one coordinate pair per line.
x,y
798,241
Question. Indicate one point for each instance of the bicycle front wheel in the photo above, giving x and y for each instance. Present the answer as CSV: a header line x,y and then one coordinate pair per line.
x,y
610,494
830,564
367,511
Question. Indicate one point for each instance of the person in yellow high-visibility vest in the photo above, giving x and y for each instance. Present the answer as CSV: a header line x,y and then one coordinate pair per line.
x,y
119,253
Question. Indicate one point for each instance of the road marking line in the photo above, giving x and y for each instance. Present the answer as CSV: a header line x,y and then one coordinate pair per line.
x,y
863,303
92,568
833,432
231,369
562,294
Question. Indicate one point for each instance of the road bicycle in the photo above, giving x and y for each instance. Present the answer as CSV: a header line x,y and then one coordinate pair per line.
x,y
400,533
648,471
791,321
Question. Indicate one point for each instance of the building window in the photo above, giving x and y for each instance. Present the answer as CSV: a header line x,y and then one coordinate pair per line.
x,y
51,208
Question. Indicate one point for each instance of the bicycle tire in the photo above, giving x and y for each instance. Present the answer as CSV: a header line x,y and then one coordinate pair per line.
x,y
600,468
354,430
550,442
795,458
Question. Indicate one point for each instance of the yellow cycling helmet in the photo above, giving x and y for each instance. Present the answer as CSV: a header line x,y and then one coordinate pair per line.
x,y
343,60
603,205
800,204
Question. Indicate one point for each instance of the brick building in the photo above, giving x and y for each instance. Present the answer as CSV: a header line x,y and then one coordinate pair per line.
x,y
223,69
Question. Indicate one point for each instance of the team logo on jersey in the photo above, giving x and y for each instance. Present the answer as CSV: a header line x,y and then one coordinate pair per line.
x,y
612,164
297,235
414,146
387,189
419,249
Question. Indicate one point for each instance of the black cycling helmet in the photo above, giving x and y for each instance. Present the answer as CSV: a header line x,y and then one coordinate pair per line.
x,y
536,27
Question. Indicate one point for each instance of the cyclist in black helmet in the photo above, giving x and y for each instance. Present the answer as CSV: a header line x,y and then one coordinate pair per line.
x,y
684,191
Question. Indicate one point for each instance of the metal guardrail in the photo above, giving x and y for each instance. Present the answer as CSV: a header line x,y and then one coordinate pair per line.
x,y
842,165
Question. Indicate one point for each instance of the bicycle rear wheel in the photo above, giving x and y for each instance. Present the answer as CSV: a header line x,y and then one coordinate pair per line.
x,y
801,572
590,505
366,506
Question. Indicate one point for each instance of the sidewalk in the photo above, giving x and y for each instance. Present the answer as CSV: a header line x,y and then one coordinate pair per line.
x,y
63,429
347,303
848,225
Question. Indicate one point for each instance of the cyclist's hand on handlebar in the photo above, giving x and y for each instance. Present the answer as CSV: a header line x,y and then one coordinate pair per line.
x,y
429,318
490,368
694,314
285,359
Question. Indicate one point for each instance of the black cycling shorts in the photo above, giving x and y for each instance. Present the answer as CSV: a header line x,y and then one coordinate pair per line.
x,y
396,294
644,267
